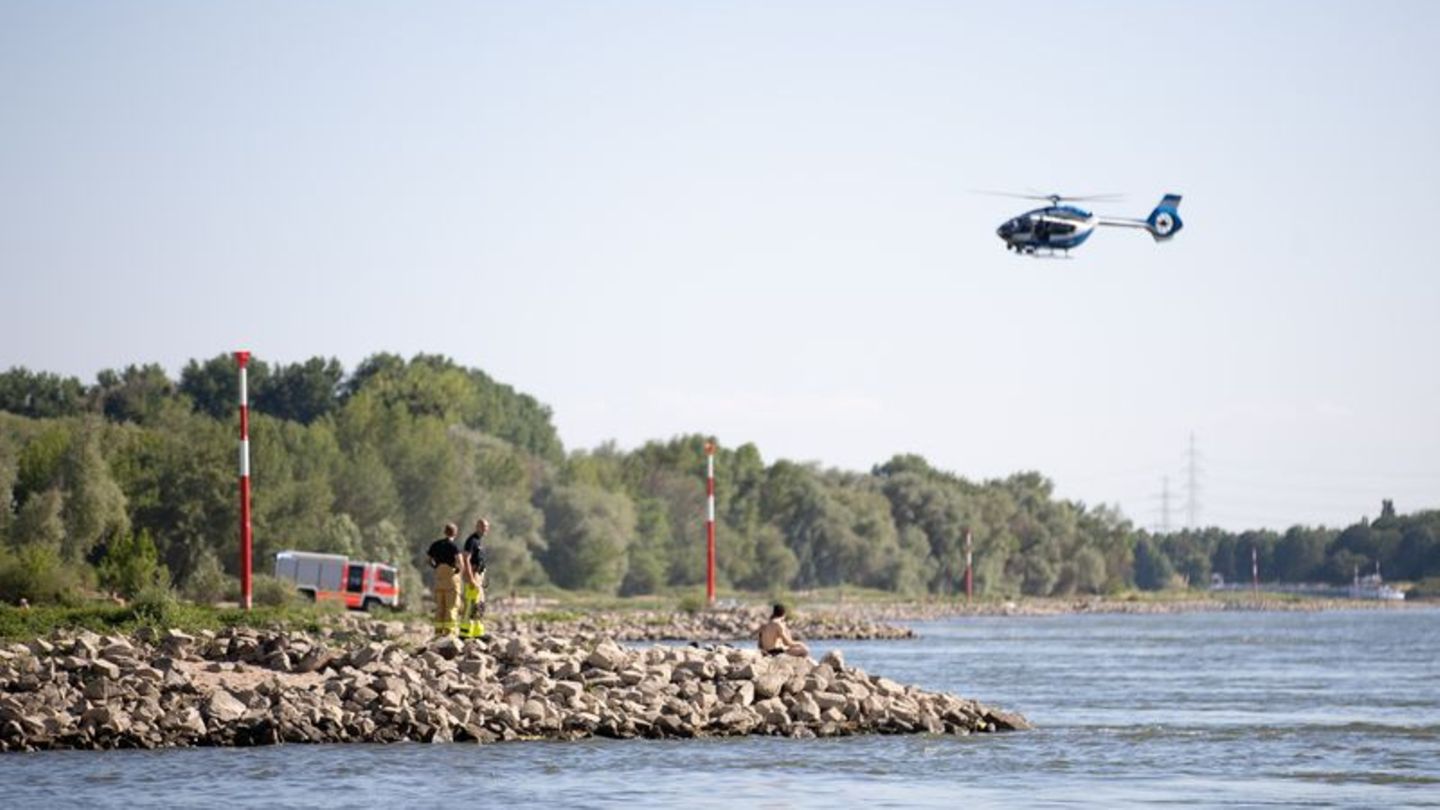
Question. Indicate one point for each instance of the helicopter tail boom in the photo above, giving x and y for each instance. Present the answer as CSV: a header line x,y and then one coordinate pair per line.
x,y
1163,223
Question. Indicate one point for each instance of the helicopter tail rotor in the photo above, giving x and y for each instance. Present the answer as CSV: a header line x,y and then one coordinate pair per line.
x,y
1164,222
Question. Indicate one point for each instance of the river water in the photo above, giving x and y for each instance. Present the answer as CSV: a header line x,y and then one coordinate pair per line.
x,y
1202,709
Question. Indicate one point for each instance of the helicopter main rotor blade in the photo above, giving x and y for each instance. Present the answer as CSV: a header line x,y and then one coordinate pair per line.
x,y
1010,194
1057,198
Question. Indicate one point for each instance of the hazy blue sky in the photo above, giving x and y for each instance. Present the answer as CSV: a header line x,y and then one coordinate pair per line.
x,y
752,219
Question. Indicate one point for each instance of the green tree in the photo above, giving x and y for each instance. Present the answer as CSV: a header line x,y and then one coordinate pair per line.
x,y
40,395
1152,570
132,564
136,394
645,571
39,522
588,530
293,503
31,568
302,392
1090,576
179,481
364,487
9,472
40,461
384,542
214,385
208,583
776,566
94,510
36,573
1300,554
339,535
1189,552
1417,558
942,508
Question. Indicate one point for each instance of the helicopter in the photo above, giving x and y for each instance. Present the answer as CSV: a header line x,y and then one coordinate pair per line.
x,y
1058,228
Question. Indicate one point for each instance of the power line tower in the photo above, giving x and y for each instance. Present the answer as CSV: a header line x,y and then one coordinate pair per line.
x,y
1192,484
1165,505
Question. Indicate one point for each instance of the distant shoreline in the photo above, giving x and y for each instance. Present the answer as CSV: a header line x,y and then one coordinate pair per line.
x,y
819,619
926,611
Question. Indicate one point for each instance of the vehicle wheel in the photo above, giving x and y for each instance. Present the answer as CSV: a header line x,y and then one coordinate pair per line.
x,y
369,603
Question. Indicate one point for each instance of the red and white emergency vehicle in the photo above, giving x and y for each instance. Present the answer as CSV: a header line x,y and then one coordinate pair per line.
x,y
337,578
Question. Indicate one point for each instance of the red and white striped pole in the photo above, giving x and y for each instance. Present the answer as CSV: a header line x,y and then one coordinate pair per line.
x,y
1255,571
709,521
243,358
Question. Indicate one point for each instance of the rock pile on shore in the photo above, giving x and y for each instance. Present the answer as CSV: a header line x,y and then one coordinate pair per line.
x,y
709,625
244,687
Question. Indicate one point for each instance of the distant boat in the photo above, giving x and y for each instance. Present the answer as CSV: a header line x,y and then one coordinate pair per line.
x,y
1371,586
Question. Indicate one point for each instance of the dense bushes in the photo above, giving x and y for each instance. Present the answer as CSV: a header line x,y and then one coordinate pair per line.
x,y
128,485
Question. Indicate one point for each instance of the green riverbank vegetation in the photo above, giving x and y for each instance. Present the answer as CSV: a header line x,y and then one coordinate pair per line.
x,y
127,486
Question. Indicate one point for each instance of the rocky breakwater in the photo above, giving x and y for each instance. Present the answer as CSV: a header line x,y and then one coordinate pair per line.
x,y
240,687
708,625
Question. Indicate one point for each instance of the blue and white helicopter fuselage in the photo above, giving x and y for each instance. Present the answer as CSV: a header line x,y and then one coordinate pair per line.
x,y
1058,229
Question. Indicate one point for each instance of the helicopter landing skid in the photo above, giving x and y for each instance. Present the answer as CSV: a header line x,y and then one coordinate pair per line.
x,y
1044,253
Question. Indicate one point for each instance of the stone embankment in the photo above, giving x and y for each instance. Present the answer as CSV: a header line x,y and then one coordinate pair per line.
x,y
244,687
740,623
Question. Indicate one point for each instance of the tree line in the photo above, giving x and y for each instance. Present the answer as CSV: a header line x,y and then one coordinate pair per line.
x,y
129,483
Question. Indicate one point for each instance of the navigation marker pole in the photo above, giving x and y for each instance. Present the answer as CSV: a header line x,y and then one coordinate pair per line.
x,y
969,570
243,358
709,521
1255,571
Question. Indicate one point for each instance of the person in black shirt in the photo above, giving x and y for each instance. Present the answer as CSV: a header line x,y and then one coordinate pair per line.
x,y
450,565
474,594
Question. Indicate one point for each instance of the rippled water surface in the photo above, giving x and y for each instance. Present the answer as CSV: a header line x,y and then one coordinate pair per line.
x,y
1234,709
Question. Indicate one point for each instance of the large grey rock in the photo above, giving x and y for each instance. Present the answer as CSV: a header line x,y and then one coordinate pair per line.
x,y
607,656
1006,721
533,711
99,689
768,684
367,654
601,678
887,687
517,649
315,660
447,646
772,711
854,689
224,707
804,709
186,720
569,690
744,693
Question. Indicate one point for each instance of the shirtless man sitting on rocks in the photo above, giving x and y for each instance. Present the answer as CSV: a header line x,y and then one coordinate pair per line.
x,y
775,637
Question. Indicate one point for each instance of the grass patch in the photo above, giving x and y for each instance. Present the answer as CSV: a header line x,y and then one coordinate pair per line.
x,y
17,624
549,616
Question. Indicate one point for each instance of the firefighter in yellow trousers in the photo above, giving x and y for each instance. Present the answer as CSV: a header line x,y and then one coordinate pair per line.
x,y
450,566
473,601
